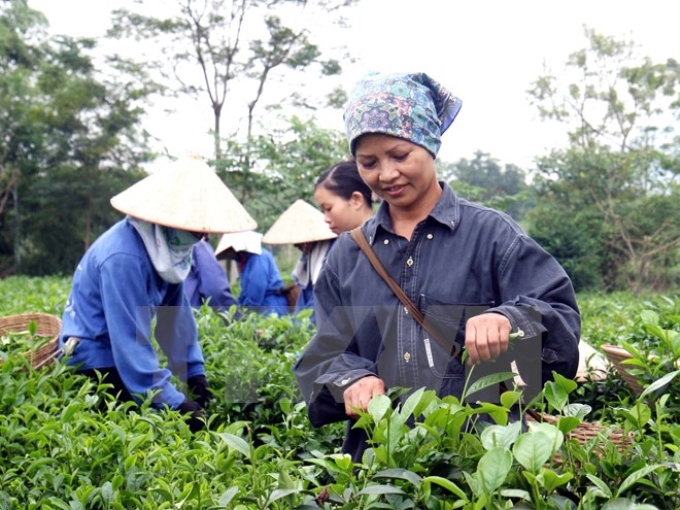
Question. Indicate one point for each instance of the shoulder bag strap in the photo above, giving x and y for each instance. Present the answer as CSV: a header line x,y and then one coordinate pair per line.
x,y
360,238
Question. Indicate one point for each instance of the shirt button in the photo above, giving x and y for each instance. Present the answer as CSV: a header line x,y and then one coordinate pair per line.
x,y
429,236
407,357
386,241
406,310
409,262
344,381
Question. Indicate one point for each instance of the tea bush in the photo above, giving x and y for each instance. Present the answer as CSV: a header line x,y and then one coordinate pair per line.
x,y
65,445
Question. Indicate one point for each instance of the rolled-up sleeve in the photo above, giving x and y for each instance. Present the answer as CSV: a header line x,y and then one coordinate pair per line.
x,y
539,299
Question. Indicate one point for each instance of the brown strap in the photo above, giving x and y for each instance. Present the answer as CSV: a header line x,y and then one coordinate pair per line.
x,y
360,238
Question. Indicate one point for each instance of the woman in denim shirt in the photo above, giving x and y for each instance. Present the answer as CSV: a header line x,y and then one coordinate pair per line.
x,y
471,270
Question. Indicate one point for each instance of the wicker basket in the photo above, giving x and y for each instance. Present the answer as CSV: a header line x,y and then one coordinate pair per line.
x,y
46,326
587,432
616,355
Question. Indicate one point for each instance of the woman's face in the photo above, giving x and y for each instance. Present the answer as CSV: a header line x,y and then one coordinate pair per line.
x,y
340,214
400,172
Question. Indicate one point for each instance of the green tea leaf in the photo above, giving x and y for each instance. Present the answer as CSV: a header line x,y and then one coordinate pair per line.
x,y
551,480
636,476
58,503
493,468
488,380
378,406
280,494
403,474
556,396
446,484
510,398
577,410
532,450
649,317
412,402
380,489
500,435
600,484
568,385
227,496
659,383
236,443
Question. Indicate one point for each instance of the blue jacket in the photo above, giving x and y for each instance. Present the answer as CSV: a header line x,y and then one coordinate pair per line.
x,y
207,281
116,294
463,259
260,282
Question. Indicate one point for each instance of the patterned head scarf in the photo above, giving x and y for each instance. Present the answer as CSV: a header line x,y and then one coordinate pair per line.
x,y
411,106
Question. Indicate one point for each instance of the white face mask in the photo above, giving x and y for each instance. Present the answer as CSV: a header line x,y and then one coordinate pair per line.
x,y
169,249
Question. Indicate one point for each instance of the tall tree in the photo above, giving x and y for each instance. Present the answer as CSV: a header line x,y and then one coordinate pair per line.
x,y
219,48
619,177
20,130
483,179
71,132
287,163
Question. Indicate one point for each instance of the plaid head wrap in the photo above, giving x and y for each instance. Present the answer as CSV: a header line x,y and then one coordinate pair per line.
x,y
411,106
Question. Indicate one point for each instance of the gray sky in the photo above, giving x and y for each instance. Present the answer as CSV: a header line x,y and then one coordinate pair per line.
x,y
486,52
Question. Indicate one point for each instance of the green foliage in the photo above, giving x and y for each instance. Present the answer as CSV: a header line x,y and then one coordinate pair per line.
x,y
68,133
608,206
620,319
65,444
482,180
23,294
273,171
654,346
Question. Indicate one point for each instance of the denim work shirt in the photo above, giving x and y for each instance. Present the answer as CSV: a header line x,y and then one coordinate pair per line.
x,y
462,260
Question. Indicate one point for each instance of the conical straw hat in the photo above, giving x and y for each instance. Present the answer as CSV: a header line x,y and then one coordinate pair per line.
x,y
188,195
241,241
300,223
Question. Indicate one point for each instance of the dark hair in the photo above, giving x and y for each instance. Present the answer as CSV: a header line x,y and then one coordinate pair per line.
x,y
343,179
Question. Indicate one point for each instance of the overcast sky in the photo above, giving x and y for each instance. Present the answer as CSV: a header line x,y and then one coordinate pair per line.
x,y
486,52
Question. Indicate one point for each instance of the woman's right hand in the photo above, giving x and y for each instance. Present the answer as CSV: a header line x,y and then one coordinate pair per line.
x,y
359,394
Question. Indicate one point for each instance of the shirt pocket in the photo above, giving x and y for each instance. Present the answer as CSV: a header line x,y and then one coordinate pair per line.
x,y
443,345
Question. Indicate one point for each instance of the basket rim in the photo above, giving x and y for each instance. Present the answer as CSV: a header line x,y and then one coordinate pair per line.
x,y
589,430
47,325
25,318
618,355
616,350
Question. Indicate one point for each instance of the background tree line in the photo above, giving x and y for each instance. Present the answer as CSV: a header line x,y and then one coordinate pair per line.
x,y
608,206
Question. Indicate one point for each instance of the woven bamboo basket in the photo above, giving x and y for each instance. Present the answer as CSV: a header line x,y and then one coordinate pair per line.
x,y
616,355
47,326
588,432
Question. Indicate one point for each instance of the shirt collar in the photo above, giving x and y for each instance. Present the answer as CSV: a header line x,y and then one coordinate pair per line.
x,y
446,212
